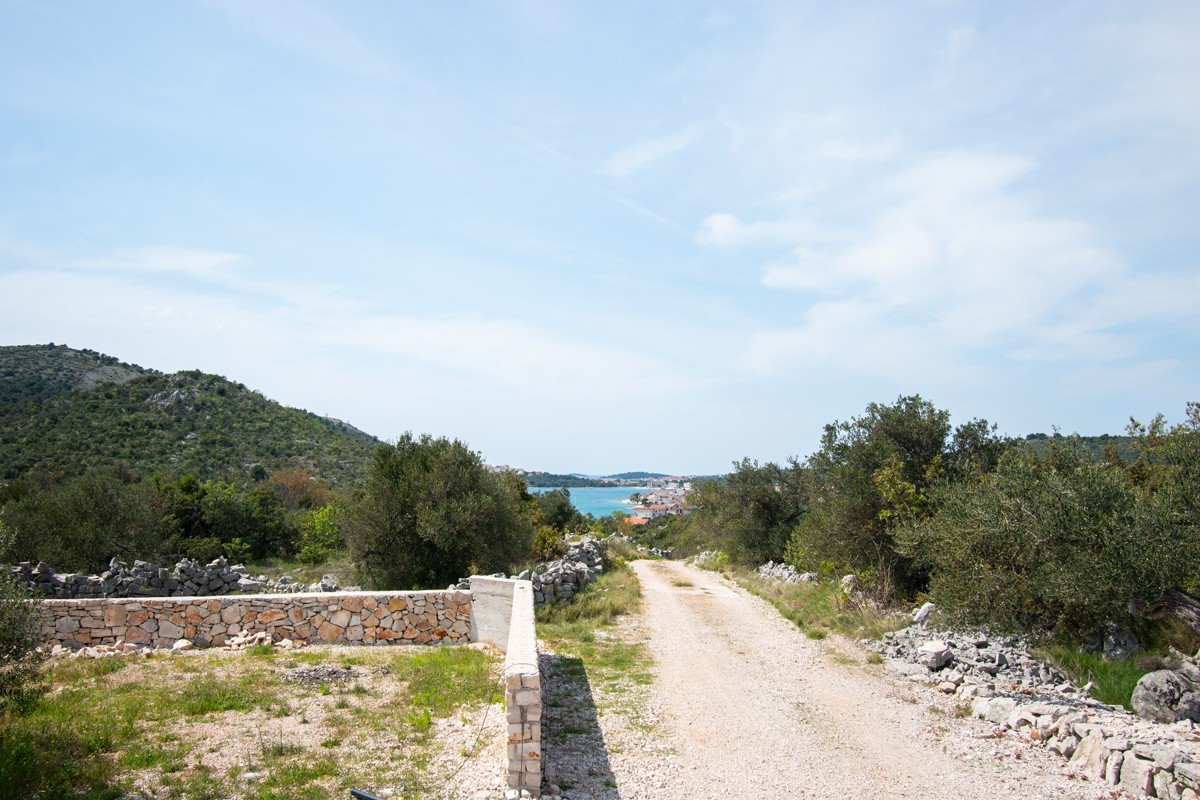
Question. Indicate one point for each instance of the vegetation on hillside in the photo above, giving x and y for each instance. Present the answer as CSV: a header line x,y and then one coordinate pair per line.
x,y
67,411
1052,540
550,480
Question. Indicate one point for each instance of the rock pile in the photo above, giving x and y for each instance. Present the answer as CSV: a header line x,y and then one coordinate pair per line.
x,y
1009,688
641,548
785,573
120,648
559,580
142,579
972,663
321,673
1104,744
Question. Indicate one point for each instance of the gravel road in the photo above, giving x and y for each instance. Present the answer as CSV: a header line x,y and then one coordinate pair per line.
x,y
744,706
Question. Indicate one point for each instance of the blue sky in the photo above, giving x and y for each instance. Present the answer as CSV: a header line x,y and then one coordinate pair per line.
x,y
607,236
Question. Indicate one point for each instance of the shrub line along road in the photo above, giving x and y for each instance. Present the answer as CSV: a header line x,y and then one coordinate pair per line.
x,y
754,709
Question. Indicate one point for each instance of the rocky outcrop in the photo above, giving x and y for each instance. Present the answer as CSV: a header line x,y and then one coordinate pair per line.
x,y
143,579
1169,695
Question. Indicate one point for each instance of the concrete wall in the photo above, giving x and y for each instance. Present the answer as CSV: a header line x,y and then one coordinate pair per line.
x,y
332,617
523,694
491,607
502,612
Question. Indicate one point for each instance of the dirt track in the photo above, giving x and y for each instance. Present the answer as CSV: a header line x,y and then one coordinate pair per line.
x,y
753,709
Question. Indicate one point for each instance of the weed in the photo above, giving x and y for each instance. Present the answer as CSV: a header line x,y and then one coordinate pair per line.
x,y
212,695
277,748
419,721
1113,681
614,594
265,651
819,605
816,633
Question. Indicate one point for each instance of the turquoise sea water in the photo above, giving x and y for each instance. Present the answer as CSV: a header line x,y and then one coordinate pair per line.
x,y
599,500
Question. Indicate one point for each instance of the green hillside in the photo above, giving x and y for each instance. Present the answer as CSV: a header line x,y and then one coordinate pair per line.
x,y
73,410
1094,446
552,480
636,476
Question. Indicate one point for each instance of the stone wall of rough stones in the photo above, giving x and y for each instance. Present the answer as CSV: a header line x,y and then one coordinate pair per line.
x,y
331,618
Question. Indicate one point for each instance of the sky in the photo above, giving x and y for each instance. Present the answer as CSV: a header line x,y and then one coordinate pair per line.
x,y
599,237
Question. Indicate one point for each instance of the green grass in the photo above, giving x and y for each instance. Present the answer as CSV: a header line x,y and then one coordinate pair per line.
x,y
441,680
614,594
210,695
1114,681
818,608
339,565
587,654
104,723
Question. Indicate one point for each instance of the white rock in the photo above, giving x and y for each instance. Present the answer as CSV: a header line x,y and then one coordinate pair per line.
x,y
934,654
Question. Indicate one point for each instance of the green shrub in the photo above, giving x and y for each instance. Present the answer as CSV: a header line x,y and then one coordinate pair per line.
x,y
320,536
20,634
1055,546
432,512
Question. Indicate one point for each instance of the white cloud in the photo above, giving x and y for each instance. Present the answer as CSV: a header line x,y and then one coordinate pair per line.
x,y
639,156
727,230
962,264
222,328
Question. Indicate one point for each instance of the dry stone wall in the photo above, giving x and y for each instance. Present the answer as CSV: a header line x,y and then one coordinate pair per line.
x,y
187,578
331,618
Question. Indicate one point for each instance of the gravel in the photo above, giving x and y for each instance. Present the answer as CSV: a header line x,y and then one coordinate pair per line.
x,y
744,706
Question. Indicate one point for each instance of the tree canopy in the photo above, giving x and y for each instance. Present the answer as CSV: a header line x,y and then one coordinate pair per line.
x,y
432,513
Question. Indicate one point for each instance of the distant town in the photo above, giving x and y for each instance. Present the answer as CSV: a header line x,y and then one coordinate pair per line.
x,y
668,499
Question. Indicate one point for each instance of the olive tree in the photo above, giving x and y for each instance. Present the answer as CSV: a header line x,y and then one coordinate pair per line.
x,y
432,512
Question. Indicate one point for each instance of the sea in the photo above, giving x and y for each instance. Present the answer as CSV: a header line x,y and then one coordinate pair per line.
x,y
599,501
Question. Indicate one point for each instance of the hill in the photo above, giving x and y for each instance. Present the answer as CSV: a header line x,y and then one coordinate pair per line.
x,y
551,480
1092,445
73,410
636,476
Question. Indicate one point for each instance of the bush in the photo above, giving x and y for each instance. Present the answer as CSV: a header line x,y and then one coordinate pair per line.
x,y
82,524
320,536
432,513
20,634
1058,546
